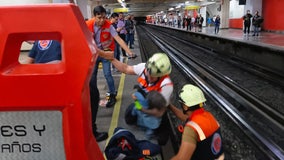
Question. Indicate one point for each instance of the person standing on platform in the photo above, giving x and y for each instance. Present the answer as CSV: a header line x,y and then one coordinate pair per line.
x,y
188,25
104,35
247,22
122,31
129,26
113,21
256,21
201,137
199,21
217,24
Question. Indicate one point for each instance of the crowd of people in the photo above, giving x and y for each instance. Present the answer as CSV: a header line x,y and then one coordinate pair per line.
x,y
195,23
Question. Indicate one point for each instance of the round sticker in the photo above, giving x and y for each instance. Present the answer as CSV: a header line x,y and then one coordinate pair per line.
x,y
216,144
44,44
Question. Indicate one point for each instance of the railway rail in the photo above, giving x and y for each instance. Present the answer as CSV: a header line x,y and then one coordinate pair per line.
x,y
260,121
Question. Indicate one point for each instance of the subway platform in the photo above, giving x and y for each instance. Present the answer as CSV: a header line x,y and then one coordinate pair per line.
x,y
264,38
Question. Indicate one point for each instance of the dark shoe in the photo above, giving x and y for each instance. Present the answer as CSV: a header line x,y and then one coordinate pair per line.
x,y
253,35
133,57
111,100
100,136
131,47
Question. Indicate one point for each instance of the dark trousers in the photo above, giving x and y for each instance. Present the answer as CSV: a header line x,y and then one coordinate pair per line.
x,y
117,51
95,99
246,28
122,36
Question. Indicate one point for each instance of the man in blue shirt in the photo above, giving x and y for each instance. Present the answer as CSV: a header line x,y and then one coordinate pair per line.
x,y
45,51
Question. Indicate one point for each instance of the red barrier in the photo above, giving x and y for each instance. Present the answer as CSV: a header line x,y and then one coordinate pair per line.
x,y
45,108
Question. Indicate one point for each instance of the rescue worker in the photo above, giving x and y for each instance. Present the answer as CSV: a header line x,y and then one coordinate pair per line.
x,y
104,35
152,76
201,137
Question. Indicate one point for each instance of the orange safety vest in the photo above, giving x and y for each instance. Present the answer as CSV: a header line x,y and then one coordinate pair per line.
x,y
106,39
209,145
144,84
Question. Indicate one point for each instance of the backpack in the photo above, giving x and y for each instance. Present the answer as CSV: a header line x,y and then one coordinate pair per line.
x,y
124,146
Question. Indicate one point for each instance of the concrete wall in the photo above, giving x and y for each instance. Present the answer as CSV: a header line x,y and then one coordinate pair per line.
x,y
273,14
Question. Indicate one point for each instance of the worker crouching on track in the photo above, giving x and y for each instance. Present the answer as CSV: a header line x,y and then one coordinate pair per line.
x,y
201,137
152,76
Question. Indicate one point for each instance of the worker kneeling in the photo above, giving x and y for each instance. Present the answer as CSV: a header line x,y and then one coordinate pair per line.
x,y
201,137
152,76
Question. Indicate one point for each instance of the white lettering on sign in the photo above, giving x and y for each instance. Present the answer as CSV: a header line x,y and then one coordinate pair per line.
x,y
31,135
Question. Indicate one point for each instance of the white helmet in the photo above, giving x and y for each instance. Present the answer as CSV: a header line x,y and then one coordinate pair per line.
x,y
191,95
159,65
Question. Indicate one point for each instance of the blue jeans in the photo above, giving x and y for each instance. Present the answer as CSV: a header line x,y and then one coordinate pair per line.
x,y
130,39
217,28
256,30
107,73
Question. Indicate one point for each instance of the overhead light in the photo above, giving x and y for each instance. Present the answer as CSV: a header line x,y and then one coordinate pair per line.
x,y
170,9
178,6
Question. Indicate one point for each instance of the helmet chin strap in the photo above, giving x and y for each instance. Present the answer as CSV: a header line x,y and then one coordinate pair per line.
x,y
188,109
185,111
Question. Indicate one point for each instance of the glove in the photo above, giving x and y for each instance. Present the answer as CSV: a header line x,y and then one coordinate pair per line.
x,y
138,106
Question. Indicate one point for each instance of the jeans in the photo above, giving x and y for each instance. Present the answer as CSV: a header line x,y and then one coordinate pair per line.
x,y
130,39
217,28
107,73
256,30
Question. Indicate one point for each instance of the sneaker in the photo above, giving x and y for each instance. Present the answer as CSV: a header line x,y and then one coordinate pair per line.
x,y
111,100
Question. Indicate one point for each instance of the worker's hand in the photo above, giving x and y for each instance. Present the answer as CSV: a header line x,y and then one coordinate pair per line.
x,y
134,97
138,106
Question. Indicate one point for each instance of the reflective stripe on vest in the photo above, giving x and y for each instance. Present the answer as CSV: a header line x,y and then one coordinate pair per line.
x,y
203,123
198,130
157,85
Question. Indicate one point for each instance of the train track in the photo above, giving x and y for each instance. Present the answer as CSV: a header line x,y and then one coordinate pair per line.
x,y
244,108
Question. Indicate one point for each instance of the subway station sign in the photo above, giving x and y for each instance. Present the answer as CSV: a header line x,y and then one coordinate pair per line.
x,y
31,135
117,10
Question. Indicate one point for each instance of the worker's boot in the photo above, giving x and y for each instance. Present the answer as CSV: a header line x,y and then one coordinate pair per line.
x,y
110,100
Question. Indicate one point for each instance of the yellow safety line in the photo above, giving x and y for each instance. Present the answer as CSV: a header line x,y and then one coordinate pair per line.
x,y
116,110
